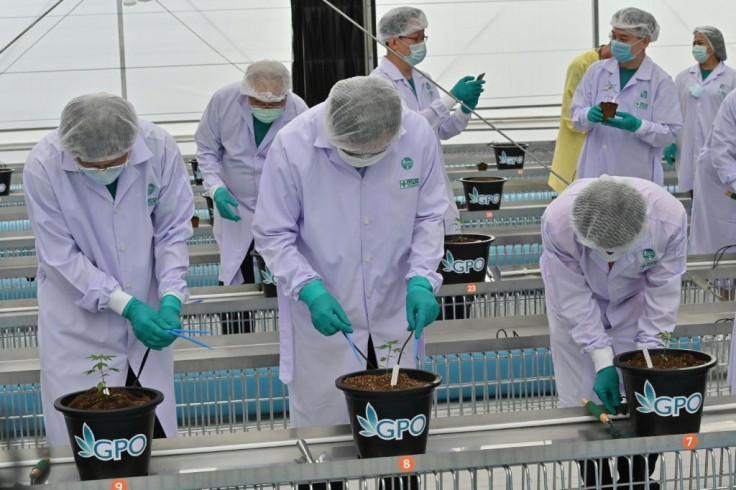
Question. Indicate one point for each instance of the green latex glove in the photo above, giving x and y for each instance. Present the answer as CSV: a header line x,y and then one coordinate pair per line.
x,y
147,325
670,153
224,200
625,121
606,387
327,315
169,310
468,89
421,305
472,103
595,114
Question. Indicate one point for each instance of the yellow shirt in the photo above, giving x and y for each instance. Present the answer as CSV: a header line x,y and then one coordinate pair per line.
x,y
569,140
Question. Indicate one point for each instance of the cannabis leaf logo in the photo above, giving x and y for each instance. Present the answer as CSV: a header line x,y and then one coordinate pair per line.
x,y
370,423
474,196
88,443
448,261
502,158
268,276
647,400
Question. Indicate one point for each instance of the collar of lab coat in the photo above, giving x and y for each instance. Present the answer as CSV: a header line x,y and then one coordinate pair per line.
x,y
642,243
695,72
138,154
393,72
643,73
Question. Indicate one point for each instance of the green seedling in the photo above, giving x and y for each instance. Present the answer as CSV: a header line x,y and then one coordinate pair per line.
x,y
102,367
666,337
390,350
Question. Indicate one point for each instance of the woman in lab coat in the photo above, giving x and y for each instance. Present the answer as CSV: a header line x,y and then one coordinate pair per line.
x,y
701,89
349,220
233,138
110,206
648,115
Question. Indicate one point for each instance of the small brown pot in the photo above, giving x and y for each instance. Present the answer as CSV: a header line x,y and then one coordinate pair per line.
x,y
195,221
482,166
609,109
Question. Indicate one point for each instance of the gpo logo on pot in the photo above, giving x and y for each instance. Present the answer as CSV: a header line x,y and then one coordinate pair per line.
x,y
462,266
106,449
390,429
667,406
483,199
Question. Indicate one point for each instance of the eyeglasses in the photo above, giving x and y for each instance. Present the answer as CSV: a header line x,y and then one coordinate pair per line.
x,y
104,166
267,105
416,40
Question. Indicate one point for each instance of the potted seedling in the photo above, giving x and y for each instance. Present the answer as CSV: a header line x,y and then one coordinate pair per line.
x,y
195,221
483,193
666,391
5,176
509,156
110,428
609,105
482,166
386,419
465,257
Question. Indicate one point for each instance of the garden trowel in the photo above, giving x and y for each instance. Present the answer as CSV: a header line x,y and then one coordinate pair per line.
x,y
599,413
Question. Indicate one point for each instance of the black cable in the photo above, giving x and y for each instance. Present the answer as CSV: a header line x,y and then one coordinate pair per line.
x,y
368,363
720,253
137,381
398,361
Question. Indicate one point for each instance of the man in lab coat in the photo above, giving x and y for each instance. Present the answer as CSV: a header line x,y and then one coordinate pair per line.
x,y
403,30
648,115
570,141
233,138
614,251
110,206
349,219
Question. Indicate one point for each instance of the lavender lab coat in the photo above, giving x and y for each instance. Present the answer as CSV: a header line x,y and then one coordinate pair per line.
x,y
88,245
698,115
427,103
363,236
590,307
228,156
651,96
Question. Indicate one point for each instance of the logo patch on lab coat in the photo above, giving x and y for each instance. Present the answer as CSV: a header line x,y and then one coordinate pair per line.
x,y
151,190
722,90
407,163
408,183
641,104
428,88
648,259
644,94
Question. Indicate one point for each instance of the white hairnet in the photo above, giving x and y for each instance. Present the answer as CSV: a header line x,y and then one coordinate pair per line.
x,y
400,21
98,127
715,38
363,114
609,214
636,21
266,71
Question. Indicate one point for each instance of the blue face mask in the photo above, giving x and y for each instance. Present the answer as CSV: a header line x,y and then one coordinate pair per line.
x,y
622,51
700,53
266,116
418,52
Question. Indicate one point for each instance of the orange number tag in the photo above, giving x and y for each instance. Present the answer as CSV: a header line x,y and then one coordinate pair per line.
x,y
690,441
471,288
406,463
489,214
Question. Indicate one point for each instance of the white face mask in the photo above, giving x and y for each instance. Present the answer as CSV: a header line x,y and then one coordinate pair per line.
x,y
610,257
359,161
104,177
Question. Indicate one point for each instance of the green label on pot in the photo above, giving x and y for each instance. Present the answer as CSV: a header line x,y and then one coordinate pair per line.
x,y
483,199
667,406
390,429
463,266
106,449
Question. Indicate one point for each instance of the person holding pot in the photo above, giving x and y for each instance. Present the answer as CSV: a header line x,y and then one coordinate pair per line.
x,y
110,204
402,29
701,88
233,138
349,220
570,141
614,251
647,118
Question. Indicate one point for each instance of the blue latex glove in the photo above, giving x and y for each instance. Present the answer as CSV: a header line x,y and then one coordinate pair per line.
x,y
224,200
169,310
468,89
625,121
606,387
670,153
327,314
147,325
421,305
595,114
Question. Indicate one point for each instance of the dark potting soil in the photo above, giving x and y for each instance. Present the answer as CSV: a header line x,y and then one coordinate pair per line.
x,y
94,399
460,239
382,382
666,361
484,179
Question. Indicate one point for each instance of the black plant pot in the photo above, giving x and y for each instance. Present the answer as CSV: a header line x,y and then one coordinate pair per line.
x,y
196,173
5,177
268,281
210,208
509,156
111,443
665,401
393,422
466,261
483,193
